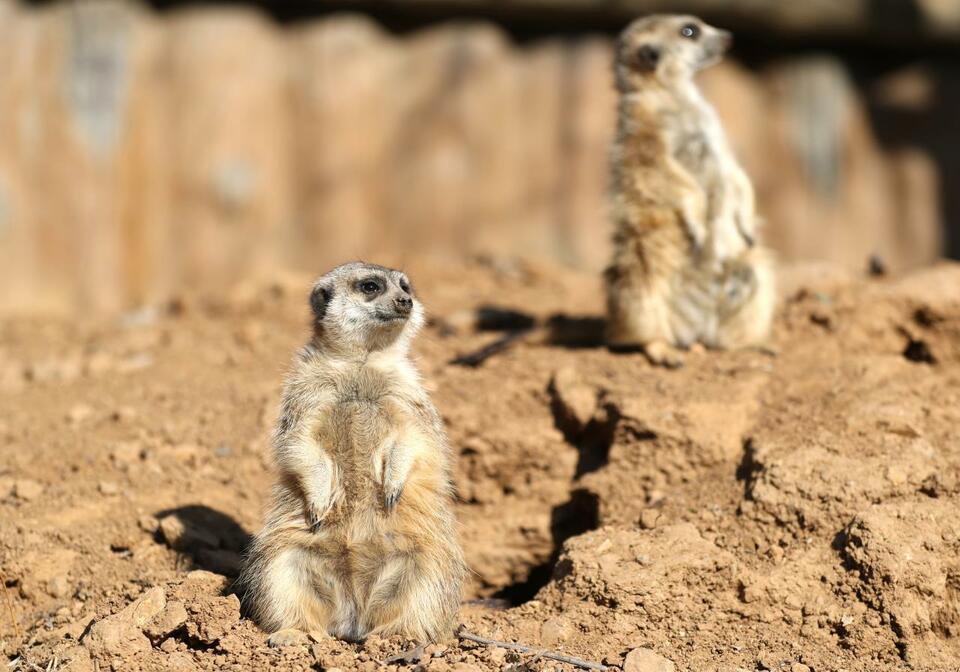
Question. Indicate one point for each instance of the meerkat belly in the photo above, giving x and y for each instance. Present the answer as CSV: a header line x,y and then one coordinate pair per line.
x,y
361,428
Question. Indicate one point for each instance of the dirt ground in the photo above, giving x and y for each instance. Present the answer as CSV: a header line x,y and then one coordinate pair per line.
x,y
796,510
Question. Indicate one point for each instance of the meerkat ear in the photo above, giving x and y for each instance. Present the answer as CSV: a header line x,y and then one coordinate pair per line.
x,y
648,55
319,300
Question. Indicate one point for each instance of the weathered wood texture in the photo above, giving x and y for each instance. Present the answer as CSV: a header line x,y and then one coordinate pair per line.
x,y
141,153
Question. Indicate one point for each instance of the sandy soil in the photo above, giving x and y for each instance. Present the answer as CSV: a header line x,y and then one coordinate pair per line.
x,y
747,512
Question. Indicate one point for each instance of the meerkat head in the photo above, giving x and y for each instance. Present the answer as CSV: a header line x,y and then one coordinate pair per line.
x,y
362,308
666,48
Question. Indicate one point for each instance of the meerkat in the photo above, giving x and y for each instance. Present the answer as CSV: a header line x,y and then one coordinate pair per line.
x,y
686,266
361,537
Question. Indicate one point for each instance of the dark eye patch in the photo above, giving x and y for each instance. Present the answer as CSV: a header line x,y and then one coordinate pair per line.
x,y
371,286
691,31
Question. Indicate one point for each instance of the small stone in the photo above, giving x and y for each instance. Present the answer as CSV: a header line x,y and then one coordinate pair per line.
x,y
168,645
287,637
79,413
799,667
124,414
212,618
554,631
148,524
231,644
27,489
187,453
496,655
896,475
646,660
126,453
58,586
120,635
173,616
649,518
108,488
750,592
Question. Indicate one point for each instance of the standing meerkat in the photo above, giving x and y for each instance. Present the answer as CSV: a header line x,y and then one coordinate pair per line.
x,y
361,537
686,266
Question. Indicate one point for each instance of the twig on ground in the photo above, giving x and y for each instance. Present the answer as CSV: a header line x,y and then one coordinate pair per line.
x,y
541,653
13,619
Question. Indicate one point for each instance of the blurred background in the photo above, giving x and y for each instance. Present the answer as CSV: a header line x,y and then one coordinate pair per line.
x,y
146,148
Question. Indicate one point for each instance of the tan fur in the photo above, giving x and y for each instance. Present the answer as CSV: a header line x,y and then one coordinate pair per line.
x,y
361,536
686,266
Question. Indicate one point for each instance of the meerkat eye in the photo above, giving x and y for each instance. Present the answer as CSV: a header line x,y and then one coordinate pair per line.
x,y
691,31
370,286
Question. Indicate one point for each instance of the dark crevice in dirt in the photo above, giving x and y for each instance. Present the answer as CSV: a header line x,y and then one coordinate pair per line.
x,y
748,467
592,440
596,440
919,351
579,514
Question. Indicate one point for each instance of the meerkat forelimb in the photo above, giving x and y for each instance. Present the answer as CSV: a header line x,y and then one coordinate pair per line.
x,y
360,537
686,266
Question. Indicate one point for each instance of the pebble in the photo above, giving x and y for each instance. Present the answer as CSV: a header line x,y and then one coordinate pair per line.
x,y
108,488
121,634
647,660
497,655
79,413
553,631
187,453
649,518
58,586
126,453
799,667
124,414
27,489
172,617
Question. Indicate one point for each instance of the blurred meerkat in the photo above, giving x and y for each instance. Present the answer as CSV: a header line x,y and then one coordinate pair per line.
x,y
686,266
361,536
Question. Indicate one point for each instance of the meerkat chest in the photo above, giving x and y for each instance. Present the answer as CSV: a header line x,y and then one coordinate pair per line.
x,y
367,410
696,140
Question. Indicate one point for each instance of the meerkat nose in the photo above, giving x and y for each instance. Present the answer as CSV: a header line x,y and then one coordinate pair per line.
x,y
404,304
726,38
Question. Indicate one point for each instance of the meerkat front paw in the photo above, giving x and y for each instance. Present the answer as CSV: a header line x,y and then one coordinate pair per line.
x,y
394,478
315,513
390,471
321,497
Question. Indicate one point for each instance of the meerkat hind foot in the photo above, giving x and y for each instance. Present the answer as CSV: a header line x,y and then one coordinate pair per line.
x,y
663,354
287,637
